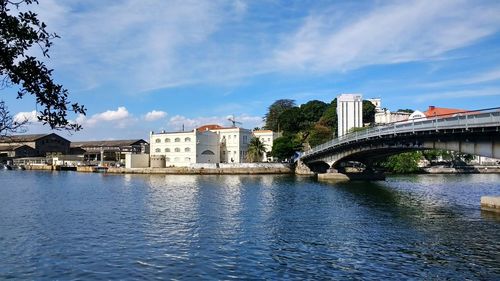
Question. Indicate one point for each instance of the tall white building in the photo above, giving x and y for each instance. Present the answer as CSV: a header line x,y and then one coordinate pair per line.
x,y
267,137
349,112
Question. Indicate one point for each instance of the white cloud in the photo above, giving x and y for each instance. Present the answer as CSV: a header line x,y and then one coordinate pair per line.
x,y
155,115
139,45
401,32
120,116
30,116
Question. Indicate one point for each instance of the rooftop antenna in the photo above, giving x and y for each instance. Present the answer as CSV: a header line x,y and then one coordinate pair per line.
x,y
233,120
183,127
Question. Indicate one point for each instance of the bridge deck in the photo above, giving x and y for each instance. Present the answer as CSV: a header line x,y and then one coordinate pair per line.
x,y
488,118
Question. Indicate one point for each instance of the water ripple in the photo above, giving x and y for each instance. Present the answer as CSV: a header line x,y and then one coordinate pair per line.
x,y
75,226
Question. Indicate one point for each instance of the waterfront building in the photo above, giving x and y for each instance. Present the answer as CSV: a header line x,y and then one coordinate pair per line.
x,y
210,143
180,149
267,137
108,150
349,112
33,145
233,142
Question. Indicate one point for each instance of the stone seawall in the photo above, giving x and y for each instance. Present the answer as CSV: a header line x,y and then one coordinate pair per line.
x,y
40,167
243,169
464,170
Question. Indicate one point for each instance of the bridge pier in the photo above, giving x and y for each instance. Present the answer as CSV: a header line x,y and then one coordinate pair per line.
x,y
335,176
302,169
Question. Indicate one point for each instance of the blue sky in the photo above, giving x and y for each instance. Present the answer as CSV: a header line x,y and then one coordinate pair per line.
x,y
156,65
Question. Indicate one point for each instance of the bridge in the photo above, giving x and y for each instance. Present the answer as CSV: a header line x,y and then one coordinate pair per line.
x,y
473,132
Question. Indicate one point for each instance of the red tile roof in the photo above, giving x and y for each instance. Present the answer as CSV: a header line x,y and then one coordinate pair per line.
x,y
209,127
440,111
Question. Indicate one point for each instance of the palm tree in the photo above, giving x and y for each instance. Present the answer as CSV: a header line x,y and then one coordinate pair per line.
x,y
256,150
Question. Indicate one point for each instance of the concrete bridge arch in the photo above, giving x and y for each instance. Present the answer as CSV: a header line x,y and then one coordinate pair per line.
x,y
480,137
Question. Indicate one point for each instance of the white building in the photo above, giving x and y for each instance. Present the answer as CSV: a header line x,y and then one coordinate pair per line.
x,y
385,116
417,115
267,137
185,148
377,102
233,143
349,112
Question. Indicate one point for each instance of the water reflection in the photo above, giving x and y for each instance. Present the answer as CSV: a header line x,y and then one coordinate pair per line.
x,y
92,226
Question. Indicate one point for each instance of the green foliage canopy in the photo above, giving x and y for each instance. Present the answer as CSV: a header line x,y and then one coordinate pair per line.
x,y
274,111
284,147
368,112
256,150
403,163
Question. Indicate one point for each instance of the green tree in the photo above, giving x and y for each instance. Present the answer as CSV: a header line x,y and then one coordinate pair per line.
x,y
403,163
274,111
292,120
19,33
319,134
285,147
256,150
329,117
313,110
368,112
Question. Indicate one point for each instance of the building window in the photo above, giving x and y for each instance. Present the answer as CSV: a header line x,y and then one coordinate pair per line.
x,y
209,152
229,137
158,140
177,149
188,139
167,140
167,159
157,150
234,136
176,159
167,149
187,149
268,139
187,159
177,140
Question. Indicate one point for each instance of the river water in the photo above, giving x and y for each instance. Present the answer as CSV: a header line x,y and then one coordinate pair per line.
x,y
67,225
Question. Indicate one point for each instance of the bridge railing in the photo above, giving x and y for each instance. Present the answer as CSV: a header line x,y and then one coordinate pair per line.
x,y
466,119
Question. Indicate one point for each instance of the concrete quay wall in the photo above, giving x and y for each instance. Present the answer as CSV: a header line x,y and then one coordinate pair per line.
x,y
238,169
464,170
40,167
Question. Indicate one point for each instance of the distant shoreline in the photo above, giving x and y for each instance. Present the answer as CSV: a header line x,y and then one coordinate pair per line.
x,y
267,168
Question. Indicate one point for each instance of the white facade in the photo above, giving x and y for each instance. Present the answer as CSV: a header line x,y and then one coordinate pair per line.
x,y
417,115
349,112
267,137
376,102
136,160
233,144
185,148
385,116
